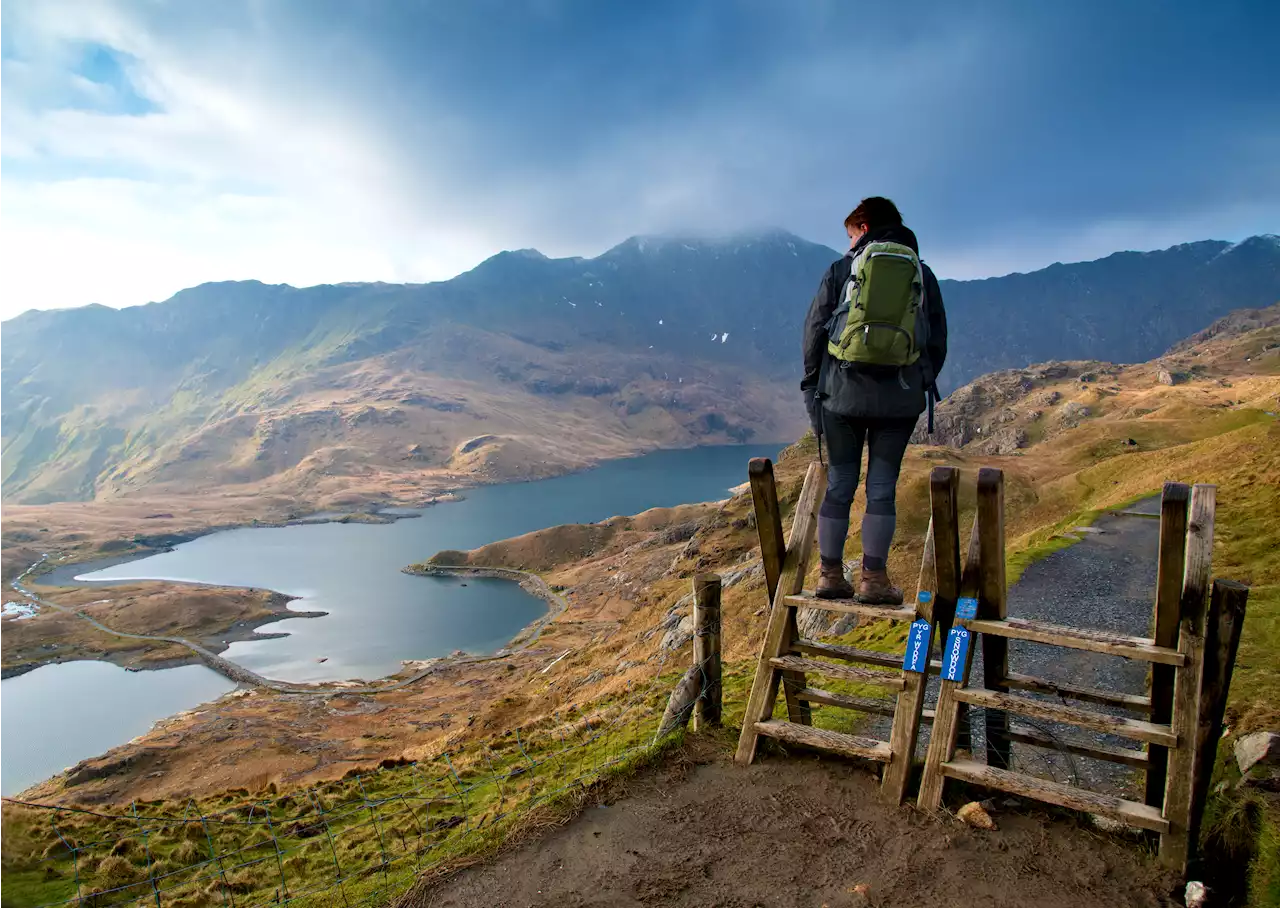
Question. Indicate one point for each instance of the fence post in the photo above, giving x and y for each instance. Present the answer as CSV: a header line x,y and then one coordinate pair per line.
x,y
706,648
1173,539
1175,845
764,493
992,604
1221,641
970,578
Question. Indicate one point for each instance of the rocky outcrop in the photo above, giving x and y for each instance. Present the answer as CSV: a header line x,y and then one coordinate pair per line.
x,y
1072,413
991,414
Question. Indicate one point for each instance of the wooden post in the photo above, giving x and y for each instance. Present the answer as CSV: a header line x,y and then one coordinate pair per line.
x,y
944,487
1176,843
906,717
1221,641
992,604
944,493
706,648
781,633
764,493
970,577
942,738
1173,540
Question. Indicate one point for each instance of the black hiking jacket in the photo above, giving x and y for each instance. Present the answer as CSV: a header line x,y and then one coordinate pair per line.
x,y
871,392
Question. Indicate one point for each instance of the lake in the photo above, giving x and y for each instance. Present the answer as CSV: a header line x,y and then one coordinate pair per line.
x,y
56,715
377,615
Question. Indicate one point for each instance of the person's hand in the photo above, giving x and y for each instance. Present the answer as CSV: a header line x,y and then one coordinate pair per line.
x,y
814,407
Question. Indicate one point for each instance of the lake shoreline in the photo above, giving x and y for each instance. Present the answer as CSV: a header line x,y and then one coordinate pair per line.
x,y
421,636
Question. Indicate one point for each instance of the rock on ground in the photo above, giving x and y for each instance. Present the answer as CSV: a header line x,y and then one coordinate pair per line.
x,y
1259,749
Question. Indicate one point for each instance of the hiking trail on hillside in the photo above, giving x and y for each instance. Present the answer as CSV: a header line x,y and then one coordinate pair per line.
x,y
807,832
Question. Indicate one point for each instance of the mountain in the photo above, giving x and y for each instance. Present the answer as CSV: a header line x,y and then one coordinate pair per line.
x,y
521,367
1125,308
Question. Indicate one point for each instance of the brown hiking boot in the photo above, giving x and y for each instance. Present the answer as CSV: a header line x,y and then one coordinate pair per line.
x,y
874,588
831,583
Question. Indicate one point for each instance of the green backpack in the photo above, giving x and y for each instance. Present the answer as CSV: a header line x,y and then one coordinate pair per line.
x,y
880,321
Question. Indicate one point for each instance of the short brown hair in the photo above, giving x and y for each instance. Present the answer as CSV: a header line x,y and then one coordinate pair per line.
x,y
873,213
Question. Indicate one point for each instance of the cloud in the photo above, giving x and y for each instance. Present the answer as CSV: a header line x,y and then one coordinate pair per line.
x,y
151,147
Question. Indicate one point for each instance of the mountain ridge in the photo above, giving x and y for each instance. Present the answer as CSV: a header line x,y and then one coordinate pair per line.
x,y
655,342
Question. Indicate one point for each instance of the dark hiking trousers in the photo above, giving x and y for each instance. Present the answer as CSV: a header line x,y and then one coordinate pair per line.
x,y
886,443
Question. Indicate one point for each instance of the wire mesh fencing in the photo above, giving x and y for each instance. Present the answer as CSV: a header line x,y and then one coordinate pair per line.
x,y
361,840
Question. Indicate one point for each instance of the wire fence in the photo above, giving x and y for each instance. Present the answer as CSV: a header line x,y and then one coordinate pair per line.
x,y
361,840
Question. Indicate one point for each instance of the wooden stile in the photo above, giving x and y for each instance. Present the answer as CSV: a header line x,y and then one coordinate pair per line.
x,y
1192,656
1164,622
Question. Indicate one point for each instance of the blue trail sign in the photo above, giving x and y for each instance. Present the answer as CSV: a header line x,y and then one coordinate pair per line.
x,y
916,657
966,609
953,658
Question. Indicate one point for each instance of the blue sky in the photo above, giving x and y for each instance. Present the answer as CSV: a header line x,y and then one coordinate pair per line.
x,y
149,146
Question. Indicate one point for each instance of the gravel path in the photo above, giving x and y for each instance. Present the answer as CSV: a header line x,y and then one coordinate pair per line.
x,y
1106,581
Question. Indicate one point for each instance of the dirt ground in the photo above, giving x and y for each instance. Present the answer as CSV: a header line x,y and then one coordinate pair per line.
x,y
800,832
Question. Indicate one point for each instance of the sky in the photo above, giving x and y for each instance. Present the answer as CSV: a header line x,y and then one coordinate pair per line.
x,y
149,146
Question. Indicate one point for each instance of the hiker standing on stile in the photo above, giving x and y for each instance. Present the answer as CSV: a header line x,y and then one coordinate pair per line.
x,y
874,342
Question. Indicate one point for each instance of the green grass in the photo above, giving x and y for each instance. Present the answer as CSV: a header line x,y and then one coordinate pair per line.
x,y
364,835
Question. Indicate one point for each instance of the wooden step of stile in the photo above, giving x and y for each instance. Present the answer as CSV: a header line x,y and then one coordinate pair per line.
x,y
1124,727
793,663
889,612
877,706
1131,813
853,654
822,739
1094,641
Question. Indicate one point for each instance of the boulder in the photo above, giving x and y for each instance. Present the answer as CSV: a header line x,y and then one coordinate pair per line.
x,y
1258,756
